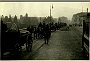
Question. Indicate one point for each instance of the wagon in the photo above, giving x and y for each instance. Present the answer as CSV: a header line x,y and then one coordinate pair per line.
x,y
14,38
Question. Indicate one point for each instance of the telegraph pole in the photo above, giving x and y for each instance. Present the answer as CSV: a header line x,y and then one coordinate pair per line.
x,y
50,12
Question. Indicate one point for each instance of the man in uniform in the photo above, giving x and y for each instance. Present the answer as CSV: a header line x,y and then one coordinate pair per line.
x,y
30,41
46,34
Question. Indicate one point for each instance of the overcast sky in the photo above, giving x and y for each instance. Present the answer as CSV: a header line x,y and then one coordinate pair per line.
x,y
43,8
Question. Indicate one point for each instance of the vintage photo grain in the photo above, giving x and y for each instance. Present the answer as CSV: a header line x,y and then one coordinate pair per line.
x,y
44,30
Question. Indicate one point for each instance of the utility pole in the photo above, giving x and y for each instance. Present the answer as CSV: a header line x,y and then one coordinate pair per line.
x,y
50,12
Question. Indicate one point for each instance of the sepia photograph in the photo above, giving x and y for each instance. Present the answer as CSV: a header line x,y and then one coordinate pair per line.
x,y
44,30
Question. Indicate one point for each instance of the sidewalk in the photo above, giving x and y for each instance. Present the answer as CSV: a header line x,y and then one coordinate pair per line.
x,y
38,43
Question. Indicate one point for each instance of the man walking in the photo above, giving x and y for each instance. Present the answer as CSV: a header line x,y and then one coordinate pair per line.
x,y
46,34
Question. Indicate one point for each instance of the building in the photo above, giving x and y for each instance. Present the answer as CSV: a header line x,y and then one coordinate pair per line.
x,y
6,19
63,20
55,20
33,21
42,19
78,18
29,21
48,20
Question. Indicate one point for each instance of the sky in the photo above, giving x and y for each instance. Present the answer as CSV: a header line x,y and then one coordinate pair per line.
x,y
42,9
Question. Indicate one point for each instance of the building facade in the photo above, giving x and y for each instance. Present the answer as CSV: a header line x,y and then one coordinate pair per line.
x,y
78,18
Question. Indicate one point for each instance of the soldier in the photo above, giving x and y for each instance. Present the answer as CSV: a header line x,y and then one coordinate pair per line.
x,y
30,30
29,39
38,32
43,29
46,34
50,26
40,25
29,42
35,36
41,32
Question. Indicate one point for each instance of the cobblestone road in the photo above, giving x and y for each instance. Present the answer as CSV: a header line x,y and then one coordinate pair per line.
x,y
63,45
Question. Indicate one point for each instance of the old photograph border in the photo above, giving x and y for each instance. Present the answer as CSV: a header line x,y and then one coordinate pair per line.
x,y
40,1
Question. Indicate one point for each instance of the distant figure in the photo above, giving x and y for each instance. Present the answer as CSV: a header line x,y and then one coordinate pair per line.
x,y
35,35
46,34
40,24
38,32
30,41
30,30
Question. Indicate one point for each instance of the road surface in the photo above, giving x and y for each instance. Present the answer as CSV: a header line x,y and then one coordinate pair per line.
x,y
63,45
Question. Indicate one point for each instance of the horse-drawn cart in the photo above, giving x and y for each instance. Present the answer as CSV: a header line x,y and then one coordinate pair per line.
x,y
12,41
